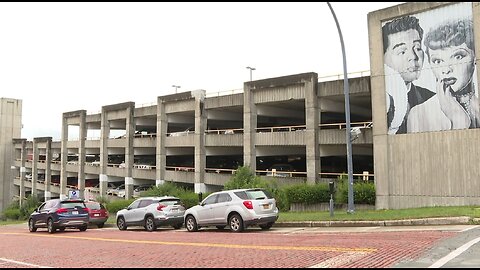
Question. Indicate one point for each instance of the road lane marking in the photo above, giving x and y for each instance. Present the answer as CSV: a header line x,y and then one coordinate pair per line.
x,y
339,260
454,253
309,248
470,228
23,263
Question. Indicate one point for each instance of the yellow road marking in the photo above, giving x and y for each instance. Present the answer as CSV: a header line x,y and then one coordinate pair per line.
x,y
311,248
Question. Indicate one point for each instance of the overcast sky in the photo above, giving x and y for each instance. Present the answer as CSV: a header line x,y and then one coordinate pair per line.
x,y
61,57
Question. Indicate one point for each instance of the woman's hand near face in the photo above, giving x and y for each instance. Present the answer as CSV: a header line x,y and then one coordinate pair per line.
x,y
451,108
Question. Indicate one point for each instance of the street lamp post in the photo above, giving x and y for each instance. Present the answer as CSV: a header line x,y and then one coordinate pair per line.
x,y
346,91
176,87
251,68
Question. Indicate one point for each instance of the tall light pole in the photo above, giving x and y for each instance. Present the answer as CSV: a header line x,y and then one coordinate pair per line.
x,y
176,87
251,68
346,91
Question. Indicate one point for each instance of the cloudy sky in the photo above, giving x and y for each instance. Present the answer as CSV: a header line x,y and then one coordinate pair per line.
x,y
60,57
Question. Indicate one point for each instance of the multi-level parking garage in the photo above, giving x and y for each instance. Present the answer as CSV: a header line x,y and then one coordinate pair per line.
x,y
293,124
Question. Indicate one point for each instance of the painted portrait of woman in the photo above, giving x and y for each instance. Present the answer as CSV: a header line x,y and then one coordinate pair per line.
x,y
451,54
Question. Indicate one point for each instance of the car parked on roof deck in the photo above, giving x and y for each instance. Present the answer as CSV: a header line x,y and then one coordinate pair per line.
x,y
151,212
98,214
59,214
237,209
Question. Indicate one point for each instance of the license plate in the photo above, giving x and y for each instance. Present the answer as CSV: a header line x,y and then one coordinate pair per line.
x,y
265,206
96,215
174,210
74,212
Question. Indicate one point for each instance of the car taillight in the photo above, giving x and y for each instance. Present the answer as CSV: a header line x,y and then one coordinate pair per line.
x,y
86,209
62,210
248,204
160,207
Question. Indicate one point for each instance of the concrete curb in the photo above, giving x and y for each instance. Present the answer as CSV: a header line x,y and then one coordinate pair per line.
x,y
362,223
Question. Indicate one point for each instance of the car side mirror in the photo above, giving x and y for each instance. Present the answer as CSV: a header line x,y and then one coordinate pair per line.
x,y
36,209
128,208
202,204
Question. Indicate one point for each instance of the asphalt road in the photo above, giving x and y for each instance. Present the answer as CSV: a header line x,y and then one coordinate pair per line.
x,y
312,247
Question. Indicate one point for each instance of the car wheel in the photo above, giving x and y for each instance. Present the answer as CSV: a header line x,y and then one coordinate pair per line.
x,y
83,228
177,226
150,224
220,227
100,225
50,227
61,229
236,223
191,224
31,226
122,226
266,226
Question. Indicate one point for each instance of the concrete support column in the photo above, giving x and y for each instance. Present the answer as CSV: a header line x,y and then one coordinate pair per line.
x,y
23,158
35,167
200,125
249,126
312,119
81,153
129,152
48,169
104,133
64,159
161,152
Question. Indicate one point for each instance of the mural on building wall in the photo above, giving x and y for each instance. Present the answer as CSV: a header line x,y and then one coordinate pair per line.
x,y
430,71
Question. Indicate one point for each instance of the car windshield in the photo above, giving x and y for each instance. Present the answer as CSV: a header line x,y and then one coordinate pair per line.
x,y
94,206
254,194
72,205
170,202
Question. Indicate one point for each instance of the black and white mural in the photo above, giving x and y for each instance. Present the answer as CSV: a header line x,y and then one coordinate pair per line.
x,y
430,71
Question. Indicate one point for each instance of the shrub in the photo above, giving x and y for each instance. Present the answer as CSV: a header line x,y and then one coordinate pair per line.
x,y
363,192
245,178
309,194
12,213
115,206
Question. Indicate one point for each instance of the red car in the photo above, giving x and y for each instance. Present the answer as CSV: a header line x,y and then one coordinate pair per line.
x,y
97,212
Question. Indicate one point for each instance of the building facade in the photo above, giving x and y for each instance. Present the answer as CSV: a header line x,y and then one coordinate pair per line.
x,y
10,127
433,159
294,124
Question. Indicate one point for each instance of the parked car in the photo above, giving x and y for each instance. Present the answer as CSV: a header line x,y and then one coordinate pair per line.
x,y
116,189
152,212
59,214
281,170
98,214
137,191
237,209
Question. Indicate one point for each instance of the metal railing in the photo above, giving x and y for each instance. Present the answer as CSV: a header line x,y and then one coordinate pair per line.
x,y
367,124
280,129
180,169
225,131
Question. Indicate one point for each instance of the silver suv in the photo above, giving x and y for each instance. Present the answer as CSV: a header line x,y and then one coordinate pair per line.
x,y
238,208
151,212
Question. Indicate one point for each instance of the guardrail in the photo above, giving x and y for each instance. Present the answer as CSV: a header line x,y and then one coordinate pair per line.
x,y
367,124
280,129
225,131
180,169
366,176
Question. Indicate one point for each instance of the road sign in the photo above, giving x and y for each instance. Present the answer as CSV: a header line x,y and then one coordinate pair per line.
x,y
73,194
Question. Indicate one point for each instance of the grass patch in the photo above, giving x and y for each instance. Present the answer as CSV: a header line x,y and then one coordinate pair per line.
x,y
369,215
10,222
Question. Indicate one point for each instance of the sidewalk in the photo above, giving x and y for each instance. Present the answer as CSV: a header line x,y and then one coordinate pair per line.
x,y
462,220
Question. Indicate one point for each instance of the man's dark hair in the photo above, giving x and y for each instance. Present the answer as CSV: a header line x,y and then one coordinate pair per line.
x,y
399,25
